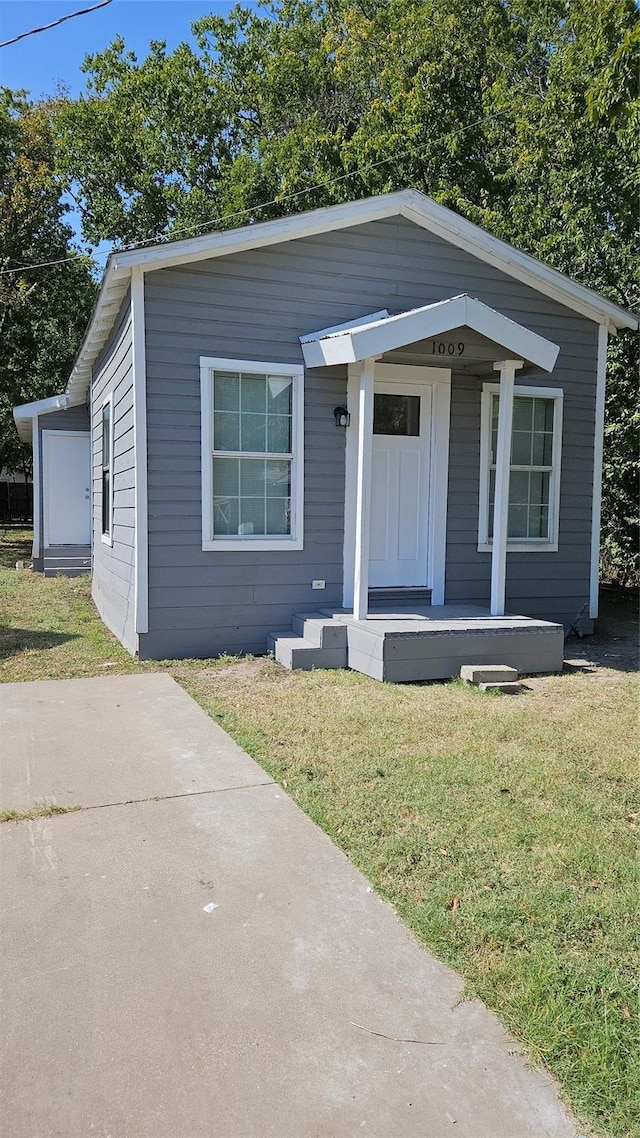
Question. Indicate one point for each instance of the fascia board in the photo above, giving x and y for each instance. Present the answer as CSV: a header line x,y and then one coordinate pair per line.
x,y
513,262
408,327
508,334
257,236
372,318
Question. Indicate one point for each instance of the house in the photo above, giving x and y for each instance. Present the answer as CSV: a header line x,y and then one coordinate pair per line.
x,y
373,428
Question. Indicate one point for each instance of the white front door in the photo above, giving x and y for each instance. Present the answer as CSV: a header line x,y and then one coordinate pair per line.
x,y
66,462
399,527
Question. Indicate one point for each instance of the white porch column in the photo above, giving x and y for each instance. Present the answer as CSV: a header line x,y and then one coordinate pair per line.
x,y
363,491
507,369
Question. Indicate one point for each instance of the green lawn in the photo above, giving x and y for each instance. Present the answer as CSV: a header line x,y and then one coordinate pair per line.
x,y
504,830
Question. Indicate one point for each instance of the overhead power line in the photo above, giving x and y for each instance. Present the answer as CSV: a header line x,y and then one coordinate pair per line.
x,y
45,27
264,205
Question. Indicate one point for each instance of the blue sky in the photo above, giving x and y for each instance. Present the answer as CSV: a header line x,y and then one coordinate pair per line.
x,y
40,62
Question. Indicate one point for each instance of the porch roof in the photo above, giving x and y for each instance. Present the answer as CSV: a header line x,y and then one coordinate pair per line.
x,y
374,335
25,414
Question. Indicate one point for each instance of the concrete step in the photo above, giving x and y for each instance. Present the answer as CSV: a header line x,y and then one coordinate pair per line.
x,y
488,674
66,560
319,630
506,688
296,653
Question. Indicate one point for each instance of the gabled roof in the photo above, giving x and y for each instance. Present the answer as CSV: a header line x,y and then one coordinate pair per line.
x,y
373,336
410,204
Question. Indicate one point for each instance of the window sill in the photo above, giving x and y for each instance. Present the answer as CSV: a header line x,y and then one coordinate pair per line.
x,y
258,545
107,539
521,547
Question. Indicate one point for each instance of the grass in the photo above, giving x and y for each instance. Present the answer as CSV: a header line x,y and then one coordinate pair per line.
x,y
47,810
504,830
49,627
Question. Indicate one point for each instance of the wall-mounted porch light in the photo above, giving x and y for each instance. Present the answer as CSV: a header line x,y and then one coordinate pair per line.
x,y
341,416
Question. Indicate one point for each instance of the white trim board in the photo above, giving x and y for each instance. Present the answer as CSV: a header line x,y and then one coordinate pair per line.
x,y
596,509
141,531
247,544
440,381
37,490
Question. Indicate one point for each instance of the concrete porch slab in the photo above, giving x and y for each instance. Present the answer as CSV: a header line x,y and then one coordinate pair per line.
x,y
433,643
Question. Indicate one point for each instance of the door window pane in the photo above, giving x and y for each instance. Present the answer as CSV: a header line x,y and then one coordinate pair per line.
x,y
396,414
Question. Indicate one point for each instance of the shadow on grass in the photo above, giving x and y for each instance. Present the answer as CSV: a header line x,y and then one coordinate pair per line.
x,y
13,641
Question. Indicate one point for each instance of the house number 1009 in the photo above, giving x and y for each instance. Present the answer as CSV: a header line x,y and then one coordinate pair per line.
x,y
440,348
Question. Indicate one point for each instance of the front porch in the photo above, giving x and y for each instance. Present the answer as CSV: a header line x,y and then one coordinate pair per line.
x,y
427,643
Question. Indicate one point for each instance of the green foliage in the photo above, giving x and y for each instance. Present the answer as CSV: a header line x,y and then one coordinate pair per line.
x,y
43,313
522,116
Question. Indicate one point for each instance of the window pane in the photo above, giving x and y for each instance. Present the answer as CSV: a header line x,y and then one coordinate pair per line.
x,y
279,434
543,414
225,515
278,515
253,393
226,391
523,413
252,516
278,479
226,431
253,432
518,521
106,435
106,502
226,477
396,415
519,487
539,488
279,391
252,477
521,448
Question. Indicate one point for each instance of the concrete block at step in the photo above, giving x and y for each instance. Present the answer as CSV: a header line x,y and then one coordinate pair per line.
x,y
505,688
296,653
488,674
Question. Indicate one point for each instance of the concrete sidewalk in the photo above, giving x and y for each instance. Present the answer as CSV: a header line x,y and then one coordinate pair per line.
x,y
133,1009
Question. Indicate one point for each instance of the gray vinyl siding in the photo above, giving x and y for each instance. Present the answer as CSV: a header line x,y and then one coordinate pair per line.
x,y
74,419
113,565
256,305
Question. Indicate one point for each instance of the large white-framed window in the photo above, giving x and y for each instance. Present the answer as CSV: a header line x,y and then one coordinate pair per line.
x,y
252,454
534,478
107,470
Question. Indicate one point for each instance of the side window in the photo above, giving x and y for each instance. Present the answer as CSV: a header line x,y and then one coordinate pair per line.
x,y
534,478
107,470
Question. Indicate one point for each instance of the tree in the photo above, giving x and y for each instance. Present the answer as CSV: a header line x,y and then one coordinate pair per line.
x,y
522,116
43,312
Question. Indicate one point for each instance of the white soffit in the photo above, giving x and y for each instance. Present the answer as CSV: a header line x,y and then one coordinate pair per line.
x,y
362,341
